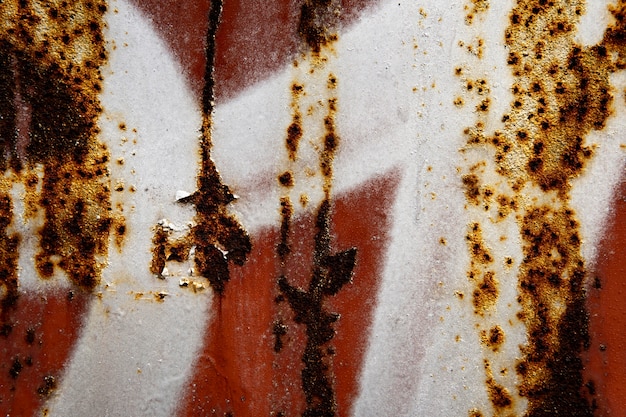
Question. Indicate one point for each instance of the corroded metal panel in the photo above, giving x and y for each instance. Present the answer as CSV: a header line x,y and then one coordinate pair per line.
x,y
312,207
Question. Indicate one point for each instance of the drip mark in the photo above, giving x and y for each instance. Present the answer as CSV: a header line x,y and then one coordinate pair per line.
x,y
219,239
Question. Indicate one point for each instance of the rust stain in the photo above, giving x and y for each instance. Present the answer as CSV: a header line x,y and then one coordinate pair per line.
x,y
494,338
217,237
330,271
476,7
51,81
561,93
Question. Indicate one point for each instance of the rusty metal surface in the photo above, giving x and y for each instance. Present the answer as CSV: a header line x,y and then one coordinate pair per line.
x,y
315,208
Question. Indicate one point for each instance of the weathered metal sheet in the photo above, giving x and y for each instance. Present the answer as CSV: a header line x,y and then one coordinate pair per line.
x,y
312,207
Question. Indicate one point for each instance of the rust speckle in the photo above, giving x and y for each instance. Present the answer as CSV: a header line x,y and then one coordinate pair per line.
x,y
294,134
119,231
51,73
494,338
48,386
279,329
286,179
475,413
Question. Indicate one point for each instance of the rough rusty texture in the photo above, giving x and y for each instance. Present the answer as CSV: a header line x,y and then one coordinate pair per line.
x,y
330,271
318,22
561,92
218,237
482,277
9,243
51,53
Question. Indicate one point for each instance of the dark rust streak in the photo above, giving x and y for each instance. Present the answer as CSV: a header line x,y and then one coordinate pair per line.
x,y
216,231
317,27
286,212
9,254
318,21
331,272
218,237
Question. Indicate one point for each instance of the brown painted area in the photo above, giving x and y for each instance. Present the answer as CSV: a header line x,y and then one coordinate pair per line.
x,y
239,370
605,361
35,343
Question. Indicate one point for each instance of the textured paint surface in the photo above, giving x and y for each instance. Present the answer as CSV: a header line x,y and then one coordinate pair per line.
x,y
423,189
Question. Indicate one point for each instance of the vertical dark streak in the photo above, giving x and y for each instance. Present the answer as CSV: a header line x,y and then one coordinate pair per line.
x,y
330,273
8,132
208,93
218,236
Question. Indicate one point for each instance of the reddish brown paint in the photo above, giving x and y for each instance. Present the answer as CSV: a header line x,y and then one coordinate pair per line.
x,y
183,24
56,321
238,371
606,358
255,39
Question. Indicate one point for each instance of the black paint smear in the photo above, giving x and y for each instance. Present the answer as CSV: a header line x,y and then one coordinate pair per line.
x,y
218,236
330,273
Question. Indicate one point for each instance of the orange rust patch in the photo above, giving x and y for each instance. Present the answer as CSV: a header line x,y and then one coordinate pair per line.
x,y
485,293
561,92
493,339
498,395
51,56
119,231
